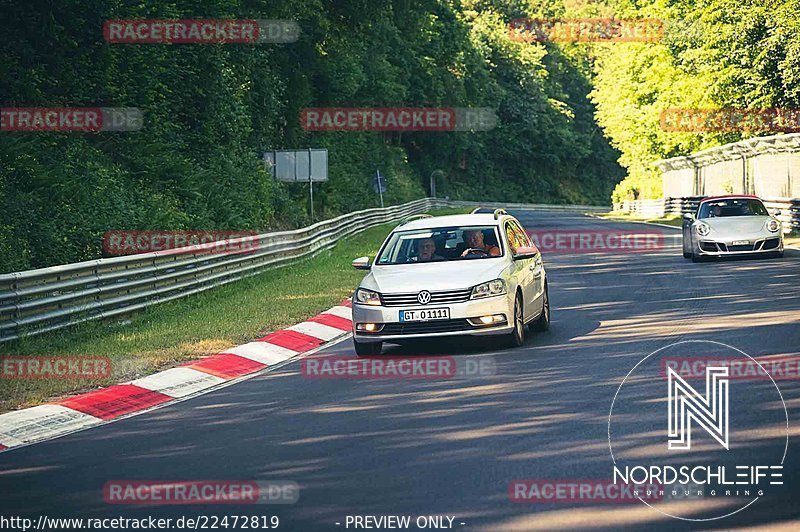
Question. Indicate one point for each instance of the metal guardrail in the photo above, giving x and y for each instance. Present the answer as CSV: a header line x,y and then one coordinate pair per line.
x,y
37,301
46,299
536,206
790,212
651,208
681,206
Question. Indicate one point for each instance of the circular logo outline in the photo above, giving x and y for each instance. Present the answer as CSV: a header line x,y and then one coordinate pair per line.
x,y
611,411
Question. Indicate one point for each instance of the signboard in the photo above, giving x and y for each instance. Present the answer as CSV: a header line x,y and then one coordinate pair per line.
x,y
298,166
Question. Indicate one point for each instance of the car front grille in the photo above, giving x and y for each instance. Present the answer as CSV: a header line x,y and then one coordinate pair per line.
x,y
758,245
438,297
737,249
427,327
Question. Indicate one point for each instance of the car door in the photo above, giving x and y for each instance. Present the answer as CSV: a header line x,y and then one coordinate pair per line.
x,y
527,271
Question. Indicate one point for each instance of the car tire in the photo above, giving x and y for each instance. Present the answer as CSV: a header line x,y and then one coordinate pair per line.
x,y
686,254
517,336
368,349
542,323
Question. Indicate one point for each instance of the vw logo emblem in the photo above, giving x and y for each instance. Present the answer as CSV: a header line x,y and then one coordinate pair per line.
x,y
424,297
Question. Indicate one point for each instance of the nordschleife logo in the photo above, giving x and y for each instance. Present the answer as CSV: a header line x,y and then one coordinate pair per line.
x,y
717,448
686,405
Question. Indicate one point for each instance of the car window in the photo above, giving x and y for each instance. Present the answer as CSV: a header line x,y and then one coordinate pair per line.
x,y
732,207
516,236
440,244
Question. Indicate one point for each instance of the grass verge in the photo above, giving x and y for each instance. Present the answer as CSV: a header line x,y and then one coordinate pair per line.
x,y
172,333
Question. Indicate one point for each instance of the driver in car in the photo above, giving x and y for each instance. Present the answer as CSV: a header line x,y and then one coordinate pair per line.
x,y
474,240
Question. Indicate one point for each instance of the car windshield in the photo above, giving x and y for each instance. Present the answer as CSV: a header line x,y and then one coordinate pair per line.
x,y
732,207
441,244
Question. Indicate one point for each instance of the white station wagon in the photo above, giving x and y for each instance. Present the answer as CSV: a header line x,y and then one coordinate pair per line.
x,y
468,274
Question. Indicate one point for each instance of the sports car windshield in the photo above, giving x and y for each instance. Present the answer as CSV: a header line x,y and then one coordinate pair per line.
x,y
732,207
441,244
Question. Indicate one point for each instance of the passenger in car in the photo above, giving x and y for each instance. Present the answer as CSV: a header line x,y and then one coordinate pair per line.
x,y
426,251
475,240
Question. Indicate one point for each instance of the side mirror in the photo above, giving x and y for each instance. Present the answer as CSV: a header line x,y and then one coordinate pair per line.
x,y
688,216
526,253
361,263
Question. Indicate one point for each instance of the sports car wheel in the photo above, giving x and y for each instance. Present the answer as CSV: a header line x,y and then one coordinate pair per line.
x,y
687,253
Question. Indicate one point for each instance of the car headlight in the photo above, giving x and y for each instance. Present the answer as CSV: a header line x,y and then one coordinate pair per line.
x,y
492,288
367,297
703,229
773,225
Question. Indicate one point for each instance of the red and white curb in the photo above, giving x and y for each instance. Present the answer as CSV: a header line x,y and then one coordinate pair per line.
x,y
45,422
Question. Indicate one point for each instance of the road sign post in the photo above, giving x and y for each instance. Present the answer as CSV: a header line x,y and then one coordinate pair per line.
x,y
299,166
379,184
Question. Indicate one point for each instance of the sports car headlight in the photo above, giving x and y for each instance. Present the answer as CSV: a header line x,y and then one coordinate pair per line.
x,y
367,297
773,225
492,288
703,229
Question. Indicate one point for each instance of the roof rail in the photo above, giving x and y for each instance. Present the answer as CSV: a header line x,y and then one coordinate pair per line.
x,y
415,217
475,210
499,212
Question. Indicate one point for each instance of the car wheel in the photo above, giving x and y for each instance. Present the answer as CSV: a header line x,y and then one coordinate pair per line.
x,y
687,254
542,323
367,349
517,336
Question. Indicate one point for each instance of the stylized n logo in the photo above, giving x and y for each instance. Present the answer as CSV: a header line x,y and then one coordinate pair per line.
x,y
710,411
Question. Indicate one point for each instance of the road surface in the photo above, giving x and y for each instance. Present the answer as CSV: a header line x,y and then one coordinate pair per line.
x,y
448,447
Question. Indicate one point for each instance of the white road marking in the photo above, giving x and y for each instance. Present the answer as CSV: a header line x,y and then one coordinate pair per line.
x,y
178,382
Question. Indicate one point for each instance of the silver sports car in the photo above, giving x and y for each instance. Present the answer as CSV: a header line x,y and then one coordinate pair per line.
x,y
731,226
469,274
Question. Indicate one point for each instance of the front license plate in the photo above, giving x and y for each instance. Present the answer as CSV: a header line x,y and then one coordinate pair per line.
x,y
425,314
740,242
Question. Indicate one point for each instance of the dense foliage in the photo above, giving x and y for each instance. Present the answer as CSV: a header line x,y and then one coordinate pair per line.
x,y
739,54
211,110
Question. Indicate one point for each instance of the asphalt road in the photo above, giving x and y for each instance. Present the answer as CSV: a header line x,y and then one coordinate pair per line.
x,y
452,446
